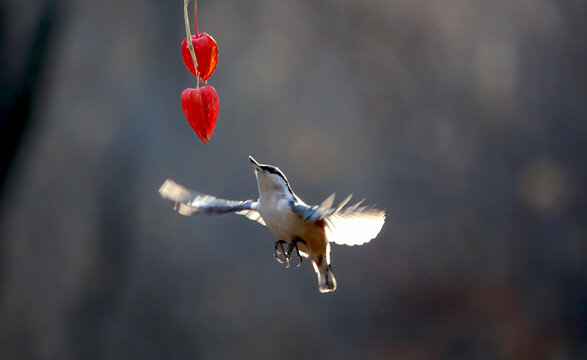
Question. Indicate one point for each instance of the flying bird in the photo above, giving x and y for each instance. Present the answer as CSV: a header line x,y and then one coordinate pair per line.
x,y
306,229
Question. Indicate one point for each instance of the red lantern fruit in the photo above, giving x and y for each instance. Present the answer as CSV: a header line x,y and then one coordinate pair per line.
x,y
200,107
206,55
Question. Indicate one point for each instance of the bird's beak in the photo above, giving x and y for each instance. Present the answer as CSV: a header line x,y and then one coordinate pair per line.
x,y
255,163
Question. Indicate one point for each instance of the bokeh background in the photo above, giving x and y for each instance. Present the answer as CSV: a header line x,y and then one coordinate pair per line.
x,y
465,120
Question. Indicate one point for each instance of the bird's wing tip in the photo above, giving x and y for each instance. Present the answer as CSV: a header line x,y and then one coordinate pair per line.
x,y
173,191
164,188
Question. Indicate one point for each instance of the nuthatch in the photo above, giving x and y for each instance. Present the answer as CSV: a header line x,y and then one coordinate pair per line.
x,y
306,229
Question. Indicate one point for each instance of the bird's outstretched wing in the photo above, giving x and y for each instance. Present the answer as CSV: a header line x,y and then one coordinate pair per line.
x,y
353,225
188,202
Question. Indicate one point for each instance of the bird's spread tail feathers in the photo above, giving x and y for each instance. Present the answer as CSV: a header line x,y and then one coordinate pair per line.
x,y
326,280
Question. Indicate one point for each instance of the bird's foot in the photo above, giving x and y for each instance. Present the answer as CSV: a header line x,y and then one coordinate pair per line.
x,y
278,247
294,245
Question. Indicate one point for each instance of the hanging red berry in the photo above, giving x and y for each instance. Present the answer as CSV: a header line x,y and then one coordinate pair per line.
x,y
200,107
206,55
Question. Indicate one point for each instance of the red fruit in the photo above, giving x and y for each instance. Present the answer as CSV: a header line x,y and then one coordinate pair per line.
x,y
206,55
200,107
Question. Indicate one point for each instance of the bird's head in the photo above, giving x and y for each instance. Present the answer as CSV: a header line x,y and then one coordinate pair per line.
x,y
270,179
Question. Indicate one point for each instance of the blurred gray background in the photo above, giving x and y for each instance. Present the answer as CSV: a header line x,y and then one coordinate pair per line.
x,y
465,120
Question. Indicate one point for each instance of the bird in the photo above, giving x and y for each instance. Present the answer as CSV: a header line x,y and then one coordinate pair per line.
x,y
306,229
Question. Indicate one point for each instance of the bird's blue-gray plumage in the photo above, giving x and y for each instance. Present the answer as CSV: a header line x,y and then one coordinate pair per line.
x,y
322,211
189,202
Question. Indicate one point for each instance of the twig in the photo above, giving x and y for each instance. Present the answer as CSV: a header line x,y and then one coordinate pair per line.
x,y
189,36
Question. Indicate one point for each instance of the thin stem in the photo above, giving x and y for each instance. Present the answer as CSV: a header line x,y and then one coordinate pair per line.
x,y
196,17
189,36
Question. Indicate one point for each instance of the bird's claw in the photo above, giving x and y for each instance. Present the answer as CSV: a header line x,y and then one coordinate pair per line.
x,y
294,245
279,246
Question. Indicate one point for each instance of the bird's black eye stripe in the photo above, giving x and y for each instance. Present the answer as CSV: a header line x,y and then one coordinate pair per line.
x,y
273,170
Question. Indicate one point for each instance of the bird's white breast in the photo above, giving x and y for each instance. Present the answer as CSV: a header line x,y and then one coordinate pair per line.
x,y
287,225
279,218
